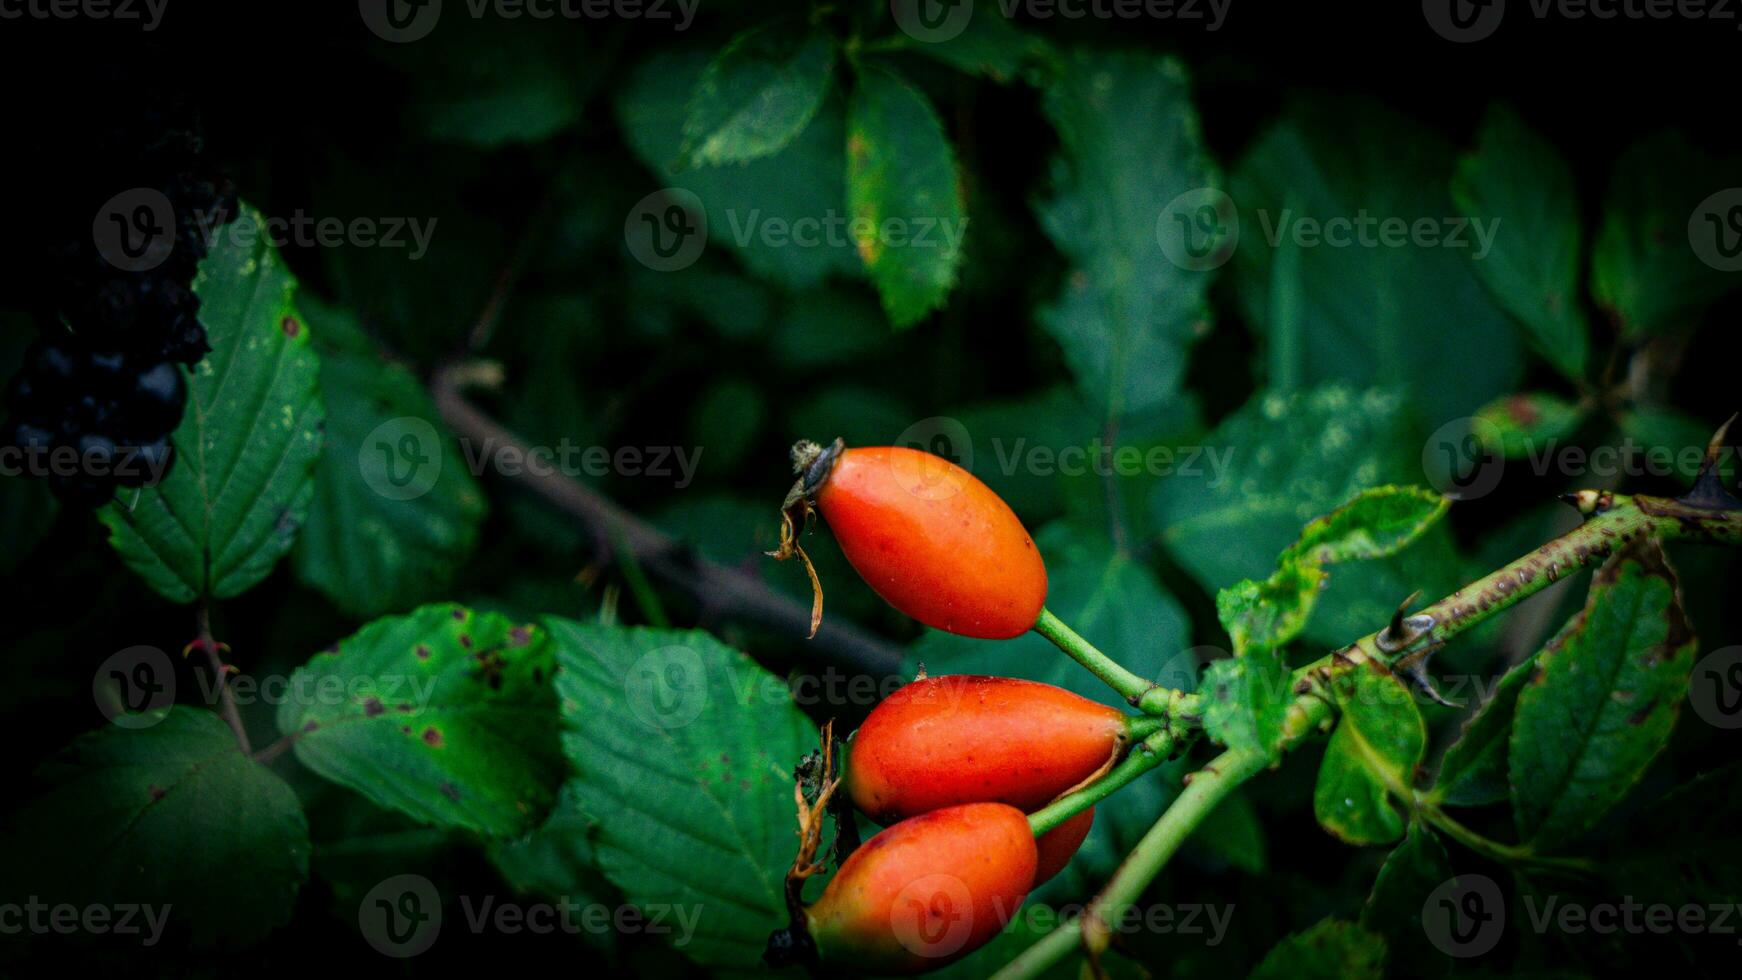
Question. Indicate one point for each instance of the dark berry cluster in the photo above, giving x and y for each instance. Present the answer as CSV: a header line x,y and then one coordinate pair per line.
x,y
100,392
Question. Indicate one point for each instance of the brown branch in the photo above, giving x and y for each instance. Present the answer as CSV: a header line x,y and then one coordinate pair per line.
x,y
719,590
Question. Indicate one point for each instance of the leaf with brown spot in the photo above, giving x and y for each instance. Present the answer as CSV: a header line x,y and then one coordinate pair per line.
x,y
1575,749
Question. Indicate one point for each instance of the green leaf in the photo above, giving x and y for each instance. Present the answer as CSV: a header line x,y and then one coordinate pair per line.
x,y
1517,178
757,94
902,186
1329,950
1127,313
396,510
1372,756
172,816
444,713
1246,701
1290,457
990,46
683,751
1601,704
1368,311
1527,424
246,447
727,417
558,859
1473,770
751,207
1376,523
1646,266
1268,614
1409,875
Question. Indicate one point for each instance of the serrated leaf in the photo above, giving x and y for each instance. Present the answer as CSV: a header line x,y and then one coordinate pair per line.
x,y
1409,875
1128,313
1375,523
172,816
685,762
1294,457
444,713
559,860
246,447
1644,268
383,534
1328,950
1473,770
757,94
752,208
1364,313
902,186
989,45
1246,701
1528,424
1600,706
1517,179
1270,613
1372,756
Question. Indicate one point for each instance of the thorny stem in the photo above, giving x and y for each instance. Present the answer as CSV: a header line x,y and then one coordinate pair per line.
x,y
221,671
1612,520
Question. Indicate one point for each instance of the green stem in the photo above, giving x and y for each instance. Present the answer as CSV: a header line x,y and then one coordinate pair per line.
x,y
1130,687
1208,787
1612,521
1511,854
1148,754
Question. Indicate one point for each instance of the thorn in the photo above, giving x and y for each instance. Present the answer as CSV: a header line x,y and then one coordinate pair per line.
x,y
1708,491
1414,667
1403,631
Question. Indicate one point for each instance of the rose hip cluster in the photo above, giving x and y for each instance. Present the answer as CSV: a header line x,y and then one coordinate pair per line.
x,y
952,765
100,392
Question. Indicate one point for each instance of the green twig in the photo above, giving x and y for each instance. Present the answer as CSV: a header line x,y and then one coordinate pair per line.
x,y
1611,522
1130,687
1208,788
1149,753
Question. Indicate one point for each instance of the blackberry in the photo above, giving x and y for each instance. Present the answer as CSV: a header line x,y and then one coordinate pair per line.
x,y
100,393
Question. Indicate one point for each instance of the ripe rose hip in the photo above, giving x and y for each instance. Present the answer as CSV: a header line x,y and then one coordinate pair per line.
x,y
925,892
940,741
928,537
